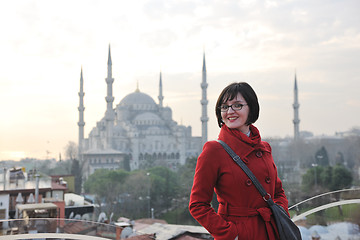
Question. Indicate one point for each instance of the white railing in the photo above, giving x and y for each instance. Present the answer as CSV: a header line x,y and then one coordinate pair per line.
x,y
50,236
47,228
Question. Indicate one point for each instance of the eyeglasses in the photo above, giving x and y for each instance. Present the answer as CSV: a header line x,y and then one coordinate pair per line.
x,y
235,107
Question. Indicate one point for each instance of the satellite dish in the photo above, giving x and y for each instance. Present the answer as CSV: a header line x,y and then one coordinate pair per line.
x,y
126,232
77,217
31,198
133,235
111,216
102,217
86,217
71,215
19,198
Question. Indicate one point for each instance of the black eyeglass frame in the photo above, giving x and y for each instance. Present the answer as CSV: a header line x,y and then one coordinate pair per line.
x,y
222,109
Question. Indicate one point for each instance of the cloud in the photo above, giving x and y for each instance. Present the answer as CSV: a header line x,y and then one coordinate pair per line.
x,y
261,42
159,39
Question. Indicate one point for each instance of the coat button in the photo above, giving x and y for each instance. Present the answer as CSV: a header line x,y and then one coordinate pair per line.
x,y
258,154
267,179
248,182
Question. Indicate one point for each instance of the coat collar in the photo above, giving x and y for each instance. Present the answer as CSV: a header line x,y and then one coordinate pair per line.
x,y
240,143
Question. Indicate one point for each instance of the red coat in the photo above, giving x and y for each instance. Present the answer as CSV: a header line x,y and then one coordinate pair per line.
x,y
242,211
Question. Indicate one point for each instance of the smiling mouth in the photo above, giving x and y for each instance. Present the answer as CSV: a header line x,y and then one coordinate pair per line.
x,y
232,118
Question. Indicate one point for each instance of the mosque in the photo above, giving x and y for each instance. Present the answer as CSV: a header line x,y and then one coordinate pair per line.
x,y
138,133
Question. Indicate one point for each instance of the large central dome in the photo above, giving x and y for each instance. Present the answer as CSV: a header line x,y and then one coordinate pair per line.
x,y
138,100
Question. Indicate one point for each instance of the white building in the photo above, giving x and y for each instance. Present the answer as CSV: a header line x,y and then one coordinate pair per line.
x,y
20,187
137,133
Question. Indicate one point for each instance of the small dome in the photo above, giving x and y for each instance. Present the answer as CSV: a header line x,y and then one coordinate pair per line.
x,y
138,101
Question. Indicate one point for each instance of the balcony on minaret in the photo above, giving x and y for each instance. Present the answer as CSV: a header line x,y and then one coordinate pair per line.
x,y
204,101
109,99
109,80
204,119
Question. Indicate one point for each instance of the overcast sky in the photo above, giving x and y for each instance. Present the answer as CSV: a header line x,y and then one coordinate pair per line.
x,y
44,44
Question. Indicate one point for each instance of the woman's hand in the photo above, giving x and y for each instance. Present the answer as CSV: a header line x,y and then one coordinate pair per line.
x,y
236,238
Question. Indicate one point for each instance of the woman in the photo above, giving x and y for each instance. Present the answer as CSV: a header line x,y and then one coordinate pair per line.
x,y
242,213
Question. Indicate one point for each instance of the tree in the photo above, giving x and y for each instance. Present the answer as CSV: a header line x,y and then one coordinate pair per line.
x,y
311,180
60,168
186,176
341,178
77,173
339,159
137,201
71,150
133,194
321,157
327,178
108,187
164,186
71,153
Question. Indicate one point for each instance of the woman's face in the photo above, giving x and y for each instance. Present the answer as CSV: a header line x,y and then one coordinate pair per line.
x,y
236,118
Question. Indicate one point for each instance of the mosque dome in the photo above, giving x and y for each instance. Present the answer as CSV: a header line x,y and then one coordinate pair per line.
x,y
138,101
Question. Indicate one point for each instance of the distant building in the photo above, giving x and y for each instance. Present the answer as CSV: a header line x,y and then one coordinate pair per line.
x,y
29,195
138,132
20,187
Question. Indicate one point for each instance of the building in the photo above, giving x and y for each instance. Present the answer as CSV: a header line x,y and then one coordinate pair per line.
x,y
138,132
21,187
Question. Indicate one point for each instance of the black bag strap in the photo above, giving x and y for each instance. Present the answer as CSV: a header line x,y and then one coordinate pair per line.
x,y
266,196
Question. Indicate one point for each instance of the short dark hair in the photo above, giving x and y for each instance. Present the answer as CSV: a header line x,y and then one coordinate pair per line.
x,y
230,92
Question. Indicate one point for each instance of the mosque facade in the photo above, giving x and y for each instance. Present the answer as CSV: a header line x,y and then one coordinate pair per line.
x,y
137,133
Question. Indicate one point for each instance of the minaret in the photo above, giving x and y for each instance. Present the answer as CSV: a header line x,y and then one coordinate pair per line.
x,y
81,122
160,97
204,102
296,106
109,114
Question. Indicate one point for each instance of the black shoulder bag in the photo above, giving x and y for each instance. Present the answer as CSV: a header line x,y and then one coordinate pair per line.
x,y
286,227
